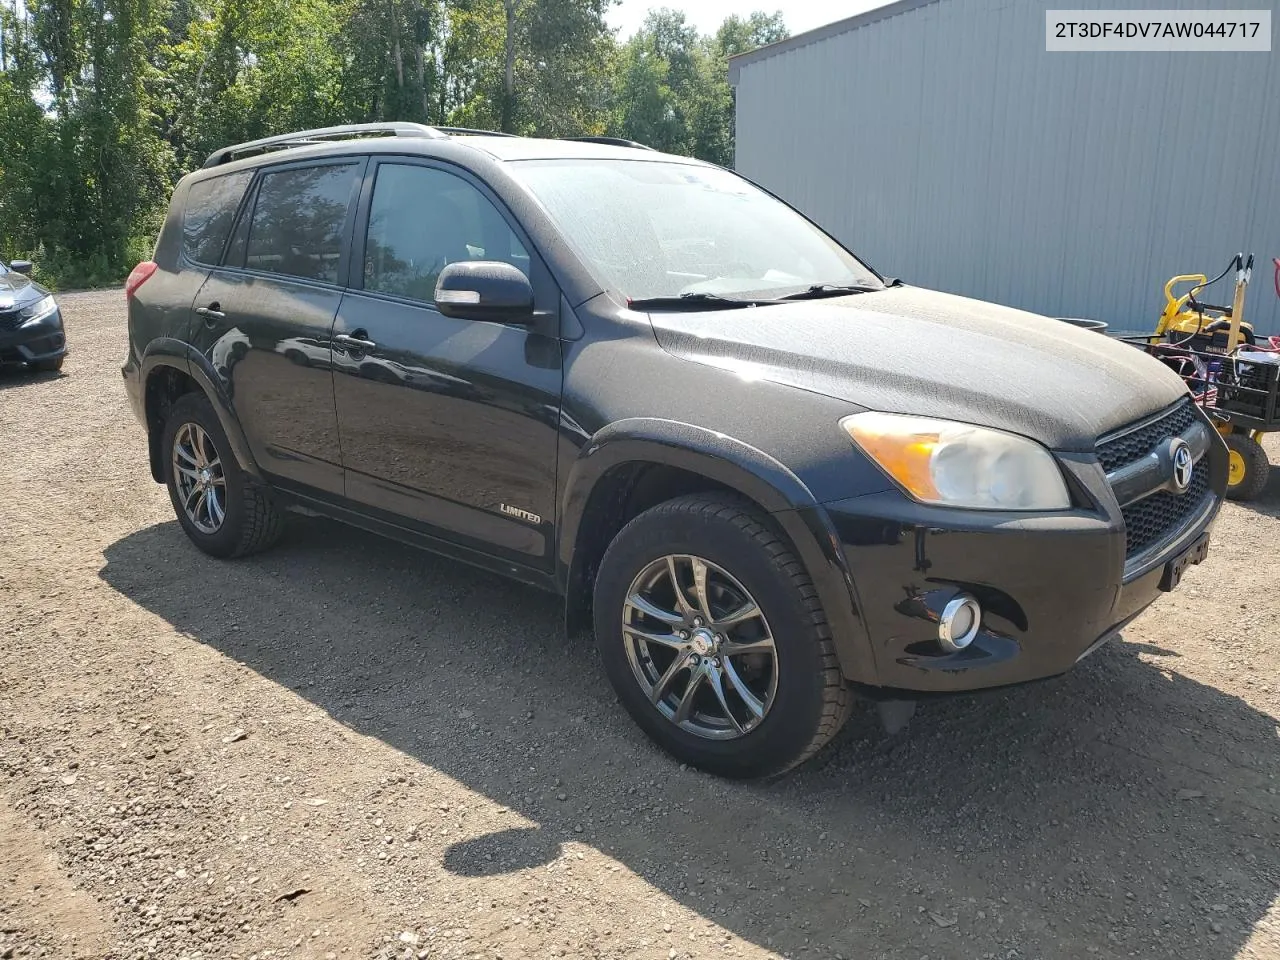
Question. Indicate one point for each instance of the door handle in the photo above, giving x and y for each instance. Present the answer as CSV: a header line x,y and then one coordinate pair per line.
x,y
355,343
212,314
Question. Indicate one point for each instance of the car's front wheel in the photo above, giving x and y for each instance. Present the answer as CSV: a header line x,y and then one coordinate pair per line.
x,y
222,509
713,636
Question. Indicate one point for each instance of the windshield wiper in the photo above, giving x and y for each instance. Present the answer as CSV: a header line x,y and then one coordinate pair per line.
x,y
713,301
820,290
693,301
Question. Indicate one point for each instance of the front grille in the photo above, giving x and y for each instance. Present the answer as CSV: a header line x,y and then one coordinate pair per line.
x,y
1160,516
10,319
1136,444
1152,519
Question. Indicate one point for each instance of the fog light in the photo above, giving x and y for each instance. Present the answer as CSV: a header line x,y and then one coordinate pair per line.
x,y
959,623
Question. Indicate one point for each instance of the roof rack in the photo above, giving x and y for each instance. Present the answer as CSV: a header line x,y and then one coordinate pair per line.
x,y
472,132
610,141
303,137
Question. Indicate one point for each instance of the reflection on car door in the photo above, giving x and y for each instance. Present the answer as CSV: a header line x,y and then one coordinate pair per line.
x,y
448,424
266,315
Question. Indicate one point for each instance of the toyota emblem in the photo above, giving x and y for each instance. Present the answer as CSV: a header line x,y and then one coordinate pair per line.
x,y
1180,455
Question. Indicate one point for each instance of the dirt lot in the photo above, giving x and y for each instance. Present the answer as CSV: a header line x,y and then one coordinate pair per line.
x,y
345,748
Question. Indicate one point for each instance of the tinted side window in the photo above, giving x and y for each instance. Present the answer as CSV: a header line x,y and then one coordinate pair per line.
x,y
298,220
206,221
239,238
421,220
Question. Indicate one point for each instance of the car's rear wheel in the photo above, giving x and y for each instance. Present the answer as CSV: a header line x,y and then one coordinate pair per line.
x,y
714,639
222,509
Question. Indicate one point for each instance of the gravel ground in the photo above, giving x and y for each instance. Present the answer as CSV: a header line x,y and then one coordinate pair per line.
x,y
345,749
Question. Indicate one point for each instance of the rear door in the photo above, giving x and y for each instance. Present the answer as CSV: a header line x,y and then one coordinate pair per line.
x,y
265,316
203,215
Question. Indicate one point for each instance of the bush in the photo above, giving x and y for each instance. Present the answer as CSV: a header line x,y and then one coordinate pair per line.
x,y
61,270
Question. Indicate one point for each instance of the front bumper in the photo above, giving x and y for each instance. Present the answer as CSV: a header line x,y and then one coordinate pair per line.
x,y
45,339
1052,587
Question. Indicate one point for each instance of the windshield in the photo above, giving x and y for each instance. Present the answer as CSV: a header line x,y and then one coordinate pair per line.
x,y
653,229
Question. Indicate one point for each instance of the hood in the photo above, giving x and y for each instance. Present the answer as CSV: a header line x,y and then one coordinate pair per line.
x,y
910,350
17,290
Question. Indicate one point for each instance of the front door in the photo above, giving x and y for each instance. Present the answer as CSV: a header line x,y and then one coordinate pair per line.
x,y
446,425
264,319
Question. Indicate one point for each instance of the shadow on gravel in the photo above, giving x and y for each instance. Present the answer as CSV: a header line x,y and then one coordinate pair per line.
x,y
1268,501
520,848
1121,810
13,375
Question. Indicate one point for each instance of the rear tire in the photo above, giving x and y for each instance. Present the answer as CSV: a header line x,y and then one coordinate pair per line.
x,y
800,694
241,518
1249,468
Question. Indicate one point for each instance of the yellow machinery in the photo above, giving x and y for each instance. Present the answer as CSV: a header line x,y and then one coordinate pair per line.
x,y
1184,316
1232,376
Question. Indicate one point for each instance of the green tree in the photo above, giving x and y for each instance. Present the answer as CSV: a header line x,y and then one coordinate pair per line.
x,y
662,76
250,68
391,54
673,90
86,166
104,103
715,122
472,87
738,35
557,58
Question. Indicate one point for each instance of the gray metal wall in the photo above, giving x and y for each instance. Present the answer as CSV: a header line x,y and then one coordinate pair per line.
x,y
946,146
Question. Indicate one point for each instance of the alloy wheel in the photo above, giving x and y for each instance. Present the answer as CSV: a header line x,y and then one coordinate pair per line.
x,y
200,478
700,647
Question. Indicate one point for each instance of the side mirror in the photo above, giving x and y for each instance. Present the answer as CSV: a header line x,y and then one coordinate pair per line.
x,y
485,290
21,266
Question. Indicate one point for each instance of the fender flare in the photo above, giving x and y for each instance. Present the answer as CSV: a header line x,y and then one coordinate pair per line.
x,y
163,352
217,390
172,353
752,473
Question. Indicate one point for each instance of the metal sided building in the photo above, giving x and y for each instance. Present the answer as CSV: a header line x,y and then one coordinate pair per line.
x,y
940,141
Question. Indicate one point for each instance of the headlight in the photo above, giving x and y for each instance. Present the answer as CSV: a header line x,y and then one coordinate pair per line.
x,y
39,310
960,465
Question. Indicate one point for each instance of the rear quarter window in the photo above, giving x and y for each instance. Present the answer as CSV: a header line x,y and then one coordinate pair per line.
x,y
206,221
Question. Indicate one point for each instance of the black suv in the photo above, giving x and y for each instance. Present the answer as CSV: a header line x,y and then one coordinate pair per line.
x,y
770,476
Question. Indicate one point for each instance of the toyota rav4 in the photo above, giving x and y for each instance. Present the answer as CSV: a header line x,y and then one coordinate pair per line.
x,y
771,478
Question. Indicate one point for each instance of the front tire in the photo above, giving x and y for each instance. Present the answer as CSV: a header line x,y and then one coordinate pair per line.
x,y
223,510
50,365
1248,467
715,641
